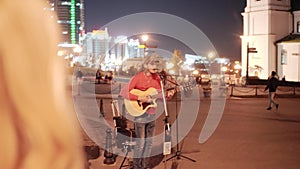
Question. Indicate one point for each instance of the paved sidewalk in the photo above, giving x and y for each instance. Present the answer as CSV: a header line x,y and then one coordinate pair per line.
x,y
247,137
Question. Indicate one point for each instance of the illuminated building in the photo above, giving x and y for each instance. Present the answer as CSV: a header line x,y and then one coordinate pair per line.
x,y
102,50
70,18
272,28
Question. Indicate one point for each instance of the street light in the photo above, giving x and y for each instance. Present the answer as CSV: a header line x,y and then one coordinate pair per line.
x,y
211,55
77,51
144,39
237,65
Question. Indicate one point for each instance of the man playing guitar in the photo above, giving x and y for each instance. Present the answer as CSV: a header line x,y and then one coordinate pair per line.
x,y
144,123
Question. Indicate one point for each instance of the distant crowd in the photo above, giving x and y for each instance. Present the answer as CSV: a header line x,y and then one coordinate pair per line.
x,y
100,77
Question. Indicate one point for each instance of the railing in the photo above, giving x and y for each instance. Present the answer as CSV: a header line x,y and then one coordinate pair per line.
x,y
258,90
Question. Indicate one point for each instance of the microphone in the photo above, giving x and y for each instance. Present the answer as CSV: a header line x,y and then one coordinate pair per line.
x,y
162,74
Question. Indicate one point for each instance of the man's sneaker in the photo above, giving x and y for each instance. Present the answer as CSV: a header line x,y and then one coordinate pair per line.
x,y
277,105
269,108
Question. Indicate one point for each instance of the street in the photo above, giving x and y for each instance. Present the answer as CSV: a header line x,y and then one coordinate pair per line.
x,y
247,136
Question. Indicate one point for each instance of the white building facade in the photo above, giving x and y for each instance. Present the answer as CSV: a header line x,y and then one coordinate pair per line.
x,y
96,47
267,23
288,52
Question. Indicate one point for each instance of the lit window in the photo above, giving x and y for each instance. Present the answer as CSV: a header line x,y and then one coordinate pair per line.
x,y
283,57
65,3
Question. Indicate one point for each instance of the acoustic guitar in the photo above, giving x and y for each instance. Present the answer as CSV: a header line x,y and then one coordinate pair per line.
x,y
137,108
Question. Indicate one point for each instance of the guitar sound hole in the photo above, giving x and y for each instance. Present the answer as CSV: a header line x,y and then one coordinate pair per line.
x,y
144,105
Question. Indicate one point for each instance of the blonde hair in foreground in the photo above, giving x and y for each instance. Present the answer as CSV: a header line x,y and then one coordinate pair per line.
x,y
38,127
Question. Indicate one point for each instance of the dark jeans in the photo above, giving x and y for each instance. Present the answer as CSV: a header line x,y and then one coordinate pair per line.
x,y
144,128
271,99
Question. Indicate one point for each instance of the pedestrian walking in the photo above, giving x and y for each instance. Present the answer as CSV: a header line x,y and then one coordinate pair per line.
x,y
272,86
79,76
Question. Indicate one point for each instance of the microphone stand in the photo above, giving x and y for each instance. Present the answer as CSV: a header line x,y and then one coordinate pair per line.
x,y
167,139
178,153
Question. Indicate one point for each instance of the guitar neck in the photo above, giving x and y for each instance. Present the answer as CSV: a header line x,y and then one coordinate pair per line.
x,y
180,87
157,96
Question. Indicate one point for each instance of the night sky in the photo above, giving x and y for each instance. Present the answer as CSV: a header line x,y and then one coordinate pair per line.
x,y
219,20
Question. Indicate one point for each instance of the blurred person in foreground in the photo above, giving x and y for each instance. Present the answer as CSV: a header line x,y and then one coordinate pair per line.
x,y
272,86
38,127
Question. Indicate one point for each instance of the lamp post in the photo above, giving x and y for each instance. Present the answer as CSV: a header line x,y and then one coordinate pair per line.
x,y
144,39
77,52
249,50
210,55
247,63
237,68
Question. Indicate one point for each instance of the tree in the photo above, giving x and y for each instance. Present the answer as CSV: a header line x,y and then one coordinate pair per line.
x,y
178,59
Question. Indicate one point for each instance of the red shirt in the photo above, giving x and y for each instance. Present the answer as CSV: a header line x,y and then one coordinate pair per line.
x,y
141,82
